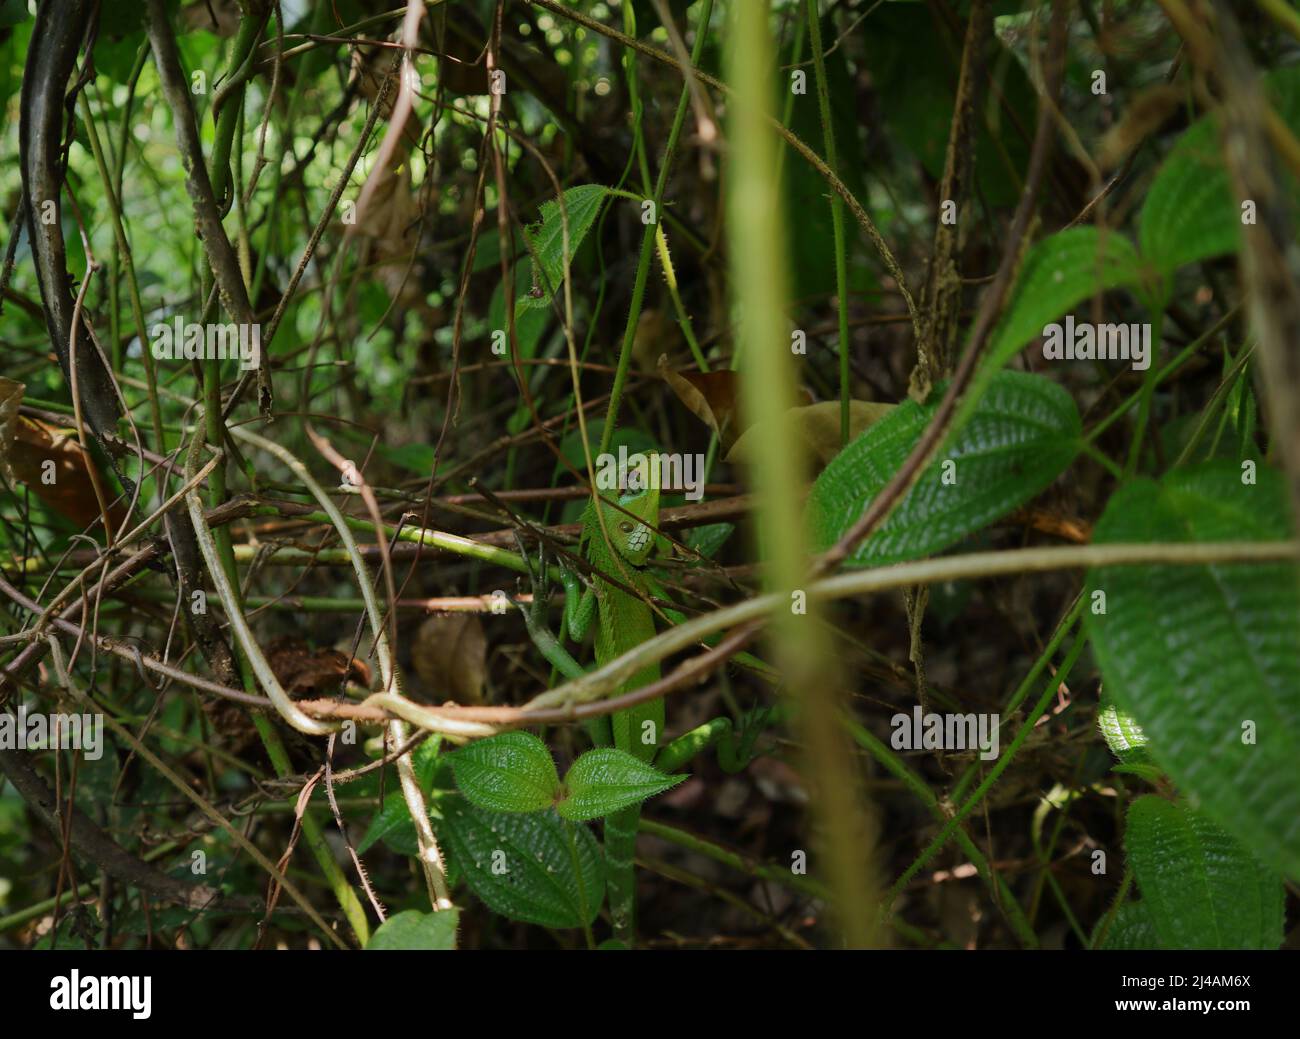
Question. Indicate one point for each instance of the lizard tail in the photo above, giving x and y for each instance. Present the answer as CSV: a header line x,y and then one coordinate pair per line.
x,y
620,849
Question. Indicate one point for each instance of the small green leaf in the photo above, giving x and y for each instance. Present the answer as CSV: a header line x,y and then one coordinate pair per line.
x,y
1123,735
1201,888
392,825
606,779
411,929
708,539
429,762
509,772
581,206
1059,272
1024,435
1206,659
1143,770
529,324
535,867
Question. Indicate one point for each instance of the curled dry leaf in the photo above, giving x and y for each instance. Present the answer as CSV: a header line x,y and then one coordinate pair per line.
x,y
818,425
304,671
49,461
712,396
391,223
450,656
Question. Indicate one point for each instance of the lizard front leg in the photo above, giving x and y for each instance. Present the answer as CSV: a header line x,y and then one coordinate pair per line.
x,y
544,639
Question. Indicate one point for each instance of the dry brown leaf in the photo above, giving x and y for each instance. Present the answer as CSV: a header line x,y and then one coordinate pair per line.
x,y
200,15
391,222
1145,114
818,425
711,396
305,672
370,67
450,656
56,469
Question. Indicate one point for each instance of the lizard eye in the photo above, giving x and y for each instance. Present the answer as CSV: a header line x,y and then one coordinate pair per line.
x,y
625,527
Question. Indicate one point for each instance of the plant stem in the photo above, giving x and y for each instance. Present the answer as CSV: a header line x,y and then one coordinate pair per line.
x,y
837,212
648,239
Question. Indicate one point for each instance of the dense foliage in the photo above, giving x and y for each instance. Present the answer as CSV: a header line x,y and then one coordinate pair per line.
x,y
575,473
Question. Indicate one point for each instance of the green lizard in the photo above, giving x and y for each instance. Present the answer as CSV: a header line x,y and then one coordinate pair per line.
x,y
623,621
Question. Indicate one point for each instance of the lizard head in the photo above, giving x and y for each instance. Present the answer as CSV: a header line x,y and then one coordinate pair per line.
x,y
632,531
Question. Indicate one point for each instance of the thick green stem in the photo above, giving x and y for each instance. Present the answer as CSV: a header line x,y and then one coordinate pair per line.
x,y
231,97
768,380
837,213
648,239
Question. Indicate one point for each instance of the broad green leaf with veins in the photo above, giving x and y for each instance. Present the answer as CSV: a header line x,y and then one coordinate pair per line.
x,y
581,207
1200,888
1024,435
509,772
1059,272
1130,929
1206,659
607,779
533,866
1191,211
411,929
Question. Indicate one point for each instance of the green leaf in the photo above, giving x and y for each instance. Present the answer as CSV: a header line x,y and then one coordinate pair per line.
x,y
536,867
509,772
1207,658
1143,770
1024,434
1201,888
392,825
411,929
1059,272
1191,211
529,324
1131,929
429,762
606,779
581,206
1123,735
708,539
